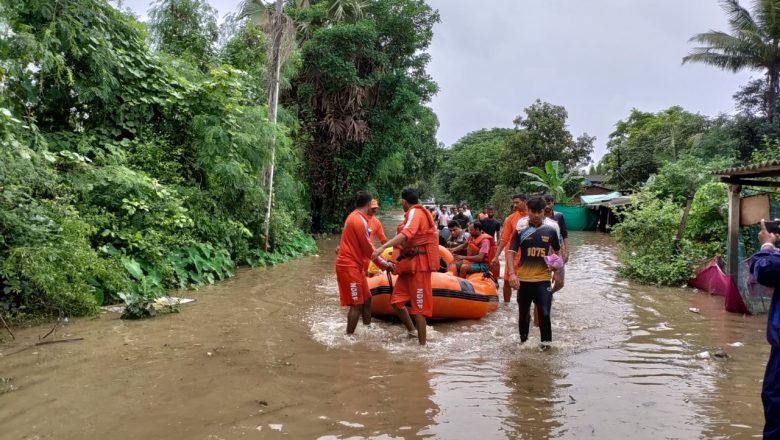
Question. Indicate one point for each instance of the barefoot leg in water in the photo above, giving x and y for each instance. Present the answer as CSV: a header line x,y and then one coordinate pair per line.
x,y
352,318
403,315
421,328
367,311
507,291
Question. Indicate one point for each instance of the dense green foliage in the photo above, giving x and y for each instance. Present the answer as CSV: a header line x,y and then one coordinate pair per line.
x,y
128,169
668,157
647,234
361,97
126,172
471,169
649,254
486,163
645,141
184,28
552,180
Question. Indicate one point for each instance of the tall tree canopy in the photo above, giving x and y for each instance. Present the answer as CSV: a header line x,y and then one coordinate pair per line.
x,y
485,159
752,43
362,95
642,142
184,28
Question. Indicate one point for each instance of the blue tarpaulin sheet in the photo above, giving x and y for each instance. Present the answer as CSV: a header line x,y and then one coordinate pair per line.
x,y
588,200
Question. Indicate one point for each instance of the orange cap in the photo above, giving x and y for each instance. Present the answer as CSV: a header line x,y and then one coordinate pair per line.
x,y
374,204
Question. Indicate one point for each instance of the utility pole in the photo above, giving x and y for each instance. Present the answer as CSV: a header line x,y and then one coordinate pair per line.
x,y
277,26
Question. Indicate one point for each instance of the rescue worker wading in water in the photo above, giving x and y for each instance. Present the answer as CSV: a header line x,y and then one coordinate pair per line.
x,y
519,211
418,241
353,251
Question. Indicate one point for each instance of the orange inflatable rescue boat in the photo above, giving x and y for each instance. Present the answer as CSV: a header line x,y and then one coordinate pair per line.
x,y
453,297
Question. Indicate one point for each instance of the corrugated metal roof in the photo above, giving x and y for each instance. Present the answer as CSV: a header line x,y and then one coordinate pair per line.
x,y
599,198
747,170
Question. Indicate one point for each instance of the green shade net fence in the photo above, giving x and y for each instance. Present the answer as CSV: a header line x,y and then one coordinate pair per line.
x,y
579,218
756,297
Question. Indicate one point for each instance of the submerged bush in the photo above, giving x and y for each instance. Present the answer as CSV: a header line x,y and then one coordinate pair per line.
x,y
62,275
708,217
649,252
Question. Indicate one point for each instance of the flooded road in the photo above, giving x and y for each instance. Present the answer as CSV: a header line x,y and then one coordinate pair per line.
x,y
263,356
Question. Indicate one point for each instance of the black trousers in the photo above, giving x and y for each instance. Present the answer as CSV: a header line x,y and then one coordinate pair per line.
x,y
538,293
770,394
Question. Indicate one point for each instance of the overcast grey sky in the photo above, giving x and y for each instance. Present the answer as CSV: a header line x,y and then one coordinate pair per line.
x,y
598,58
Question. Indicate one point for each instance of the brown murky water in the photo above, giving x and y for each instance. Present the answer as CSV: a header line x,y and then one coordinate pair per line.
x,y
263,356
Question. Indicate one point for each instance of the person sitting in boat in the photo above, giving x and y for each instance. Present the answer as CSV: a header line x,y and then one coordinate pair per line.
x,y
481,248
458,239
373,269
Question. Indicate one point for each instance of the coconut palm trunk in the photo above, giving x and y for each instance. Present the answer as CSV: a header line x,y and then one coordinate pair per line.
x,y
771,93
273,104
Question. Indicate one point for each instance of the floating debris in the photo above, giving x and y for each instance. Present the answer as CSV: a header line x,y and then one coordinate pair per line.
x,y
703,355
736,344
163,301
6,386
694,310
720,354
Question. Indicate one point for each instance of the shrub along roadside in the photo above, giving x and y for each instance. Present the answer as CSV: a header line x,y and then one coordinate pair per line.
x,y
649,252
125,173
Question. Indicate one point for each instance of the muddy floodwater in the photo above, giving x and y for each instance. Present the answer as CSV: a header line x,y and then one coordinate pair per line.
x,y
263,356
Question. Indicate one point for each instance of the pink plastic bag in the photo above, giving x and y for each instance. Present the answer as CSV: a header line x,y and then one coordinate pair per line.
x,y
554,261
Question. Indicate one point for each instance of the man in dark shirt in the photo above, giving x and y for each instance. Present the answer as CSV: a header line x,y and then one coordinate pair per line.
x,y
458,239
462,219
558,217
564,236
532,276
490,225
765,267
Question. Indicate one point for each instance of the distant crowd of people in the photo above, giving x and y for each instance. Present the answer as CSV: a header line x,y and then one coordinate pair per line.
x,y
534,239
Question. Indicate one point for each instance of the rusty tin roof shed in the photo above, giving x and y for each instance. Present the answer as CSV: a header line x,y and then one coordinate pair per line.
x,y
759,174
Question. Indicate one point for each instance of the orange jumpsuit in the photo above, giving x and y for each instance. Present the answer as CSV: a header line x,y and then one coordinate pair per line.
x,y
376,229
506,236
354,251
422,244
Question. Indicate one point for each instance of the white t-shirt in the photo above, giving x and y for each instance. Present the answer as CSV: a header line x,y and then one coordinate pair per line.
x,y
522,224
444,218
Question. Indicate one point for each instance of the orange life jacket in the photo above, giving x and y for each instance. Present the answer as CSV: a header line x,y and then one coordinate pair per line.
x,y
474,244
426,241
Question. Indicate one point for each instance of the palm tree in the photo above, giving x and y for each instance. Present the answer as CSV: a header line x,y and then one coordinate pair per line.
x,y
553,180
754,43
259,12
282,30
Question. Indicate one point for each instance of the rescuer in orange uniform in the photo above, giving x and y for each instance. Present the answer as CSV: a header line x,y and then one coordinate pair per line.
x,y
377,231
353,253
418,241
510,224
